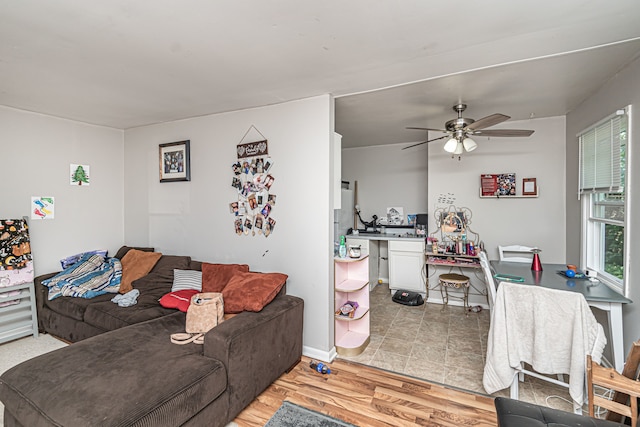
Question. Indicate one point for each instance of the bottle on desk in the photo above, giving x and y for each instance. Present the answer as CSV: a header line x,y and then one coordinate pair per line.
x,y
342,249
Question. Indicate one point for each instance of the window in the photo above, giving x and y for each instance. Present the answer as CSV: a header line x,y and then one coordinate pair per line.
x,y
603,166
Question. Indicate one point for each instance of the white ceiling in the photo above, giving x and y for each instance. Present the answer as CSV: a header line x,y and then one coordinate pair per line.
x,y
129,63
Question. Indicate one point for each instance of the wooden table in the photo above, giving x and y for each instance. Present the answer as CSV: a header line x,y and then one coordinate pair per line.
x,y
597,294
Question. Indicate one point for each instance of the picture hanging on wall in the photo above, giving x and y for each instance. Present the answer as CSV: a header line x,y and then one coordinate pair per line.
x,y
42,207
79,174
502,184
253,180
175,164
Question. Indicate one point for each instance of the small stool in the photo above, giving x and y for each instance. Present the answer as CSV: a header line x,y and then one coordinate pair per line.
x,y
454,281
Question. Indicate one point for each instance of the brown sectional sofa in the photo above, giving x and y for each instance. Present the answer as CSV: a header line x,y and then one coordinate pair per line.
x,y
122,369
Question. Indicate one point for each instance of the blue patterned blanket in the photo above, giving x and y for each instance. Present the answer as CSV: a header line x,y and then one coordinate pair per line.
x,y
91,276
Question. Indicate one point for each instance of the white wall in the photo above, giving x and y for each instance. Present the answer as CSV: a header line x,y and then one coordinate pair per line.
x,y
387,177
36,153
193,218
533,221
622,90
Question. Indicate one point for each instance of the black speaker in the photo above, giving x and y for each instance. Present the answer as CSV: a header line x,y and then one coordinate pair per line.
x,y
407,298
422,219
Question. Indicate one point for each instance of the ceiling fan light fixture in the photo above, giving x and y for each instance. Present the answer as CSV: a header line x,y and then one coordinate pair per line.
x,y
451,145
469,144
459,148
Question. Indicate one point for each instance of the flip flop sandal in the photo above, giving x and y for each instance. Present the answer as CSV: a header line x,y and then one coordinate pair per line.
x,y
184,338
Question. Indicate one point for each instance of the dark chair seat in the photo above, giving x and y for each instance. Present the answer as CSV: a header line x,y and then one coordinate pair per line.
x,y
515,413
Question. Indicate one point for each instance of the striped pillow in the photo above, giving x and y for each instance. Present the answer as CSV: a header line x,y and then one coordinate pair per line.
x,y
186,279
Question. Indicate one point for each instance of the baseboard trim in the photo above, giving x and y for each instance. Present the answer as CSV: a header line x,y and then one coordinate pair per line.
x,y
324,356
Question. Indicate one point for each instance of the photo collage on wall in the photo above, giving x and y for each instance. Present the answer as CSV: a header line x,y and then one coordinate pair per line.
x,y
502,184
253,180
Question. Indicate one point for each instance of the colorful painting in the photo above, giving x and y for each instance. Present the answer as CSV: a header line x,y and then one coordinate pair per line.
x,y
42,207
79,174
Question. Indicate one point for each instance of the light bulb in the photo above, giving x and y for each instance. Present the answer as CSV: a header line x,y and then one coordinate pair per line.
x,y
459,148
450,146
469,144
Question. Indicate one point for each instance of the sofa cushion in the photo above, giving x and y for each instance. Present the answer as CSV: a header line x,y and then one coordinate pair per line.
x,y
186,279
136,264
124,249
108,315
168,263
216,276
74,307
251,291
178,299
130,377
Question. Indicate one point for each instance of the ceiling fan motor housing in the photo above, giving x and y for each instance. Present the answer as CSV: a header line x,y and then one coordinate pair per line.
x,y
459,123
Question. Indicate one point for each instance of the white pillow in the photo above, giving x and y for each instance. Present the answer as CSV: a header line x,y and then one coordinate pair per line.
x,y
186,279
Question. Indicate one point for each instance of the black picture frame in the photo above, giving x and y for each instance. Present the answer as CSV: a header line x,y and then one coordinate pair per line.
x,y
175,163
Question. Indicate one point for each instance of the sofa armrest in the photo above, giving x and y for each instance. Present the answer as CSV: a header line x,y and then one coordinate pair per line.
x,y
257,348
42,292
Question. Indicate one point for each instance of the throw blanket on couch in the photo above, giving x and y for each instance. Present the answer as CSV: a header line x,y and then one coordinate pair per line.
x,y
552,330
91,276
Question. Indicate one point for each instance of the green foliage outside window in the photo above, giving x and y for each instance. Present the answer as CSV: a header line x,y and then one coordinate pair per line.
x,y
614,250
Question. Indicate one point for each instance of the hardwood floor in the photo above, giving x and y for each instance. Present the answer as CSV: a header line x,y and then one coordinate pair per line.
x,y
368,396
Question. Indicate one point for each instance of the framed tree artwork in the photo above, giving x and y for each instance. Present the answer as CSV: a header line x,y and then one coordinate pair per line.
x,y
175,164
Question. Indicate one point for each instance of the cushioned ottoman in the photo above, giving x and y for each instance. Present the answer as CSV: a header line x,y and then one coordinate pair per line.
x,y
128,389
515,413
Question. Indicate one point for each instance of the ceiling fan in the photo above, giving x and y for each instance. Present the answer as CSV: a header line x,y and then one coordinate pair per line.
x,y
460,130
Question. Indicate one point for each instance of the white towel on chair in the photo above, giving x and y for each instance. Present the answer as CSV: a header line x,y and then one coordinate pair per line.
x,y
552,330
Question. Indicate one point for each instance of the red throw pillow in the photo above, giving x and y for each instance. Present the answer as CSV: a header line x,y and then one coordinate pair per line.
x,y
216,276
251,291
178,299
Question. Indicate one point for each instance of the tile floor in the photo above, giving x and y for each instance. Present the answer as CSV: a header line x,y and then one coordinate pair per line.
x,y
444,346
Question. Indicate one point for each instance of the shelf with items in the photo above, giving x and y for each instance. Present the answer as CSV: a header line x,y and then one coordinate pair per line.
x,y
453,245
514,196
351,283
450,259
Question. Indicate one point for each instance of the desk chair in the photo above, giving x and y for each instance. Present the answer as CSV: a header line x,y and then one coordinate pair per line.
x,y
516,253
488,278
528,324
609,378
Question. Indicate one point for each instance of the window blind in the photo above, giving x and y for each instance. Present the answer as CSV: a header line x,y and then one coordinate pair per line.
x,y
600,169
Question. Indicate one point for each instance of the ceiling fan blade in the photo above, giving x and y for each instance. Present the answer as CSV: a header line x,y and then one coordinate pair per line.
x,y
431,129
424,142
488,121
503,132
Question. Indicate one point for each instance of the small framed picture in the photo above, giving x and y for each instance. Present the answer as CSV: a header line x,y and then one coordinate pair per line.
x,y
529,187
175,164
453,222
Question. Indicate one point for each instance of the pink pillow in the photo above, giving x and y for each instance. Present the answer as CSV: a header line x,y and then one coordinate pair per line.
x,y
178,299
251,291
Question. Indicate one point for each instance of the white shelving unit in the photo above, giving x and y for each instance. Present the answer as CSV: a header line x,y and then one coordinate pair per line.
x,y
351,283
18,316
18,320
